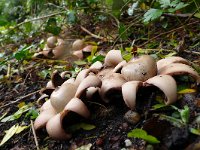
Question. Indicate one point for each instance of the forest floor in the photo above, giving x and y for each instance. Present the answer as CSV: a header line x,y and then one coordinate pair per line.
x,y
111,129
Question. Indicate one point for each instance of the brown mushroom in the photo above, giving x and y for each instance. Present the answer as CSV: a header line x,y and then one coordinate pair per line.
x,y
167,85
62,95
129,91
78,53
118,68
169,60
81,75
89,81
139,69
111,83
96,66
113,58
179,69
52,41
55,130
73,113
47,112
78,45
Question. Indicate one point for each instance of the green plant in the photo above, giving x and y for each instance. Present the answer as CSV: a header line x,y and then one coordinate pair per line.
x,y
139,133
163,6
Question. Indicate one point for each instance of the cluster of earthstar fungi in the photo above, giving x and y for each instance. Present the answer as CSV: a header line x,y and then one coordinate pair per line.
x,y
115,74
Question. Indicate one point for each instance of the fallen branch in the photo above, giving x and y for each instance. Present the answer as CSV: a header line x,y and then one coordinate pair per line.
x,y
193,52
34,135
20,99
93,35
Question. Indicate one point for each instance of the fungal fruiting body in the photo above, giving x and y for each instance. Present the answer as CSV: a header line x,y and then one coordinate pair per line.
x,y
114,75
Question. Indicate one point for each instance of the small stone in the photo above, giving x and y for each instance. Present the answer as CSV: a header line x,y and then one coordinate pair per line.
x,y
132,117
125,126
128,143
99,141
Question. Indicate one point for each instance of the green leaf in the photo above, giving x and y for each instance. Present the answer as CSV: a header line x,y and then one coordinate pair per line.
x,y
195,131
15,129
139,133
175,122
98,58
116,7
71,17
21,128
44,73
186,91
185,114
80,62
91,57
9,134
197,15
3,21
123,32
3,115
23,53
152,14
85,147
82,125
28,27
17,114
32,113
164,3
158,106
52,27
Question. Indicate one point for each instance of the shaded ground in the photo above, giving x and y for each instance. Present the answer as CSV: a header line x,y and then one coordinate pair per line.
x,y
111,127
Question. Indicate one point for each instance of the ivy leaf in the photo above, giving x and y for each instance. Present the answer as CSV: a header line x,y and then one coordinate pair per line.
x,y
23,53
116,7
98,58
152,14
52,27
139,133
123,32
132,8
71,17
164,3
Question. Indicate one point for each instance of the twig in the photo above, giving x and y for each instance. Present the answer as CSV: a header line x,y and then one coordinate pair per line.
x,y
8,71
34,135
93,35
167,33
178,15
197,53
19,99
39,18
